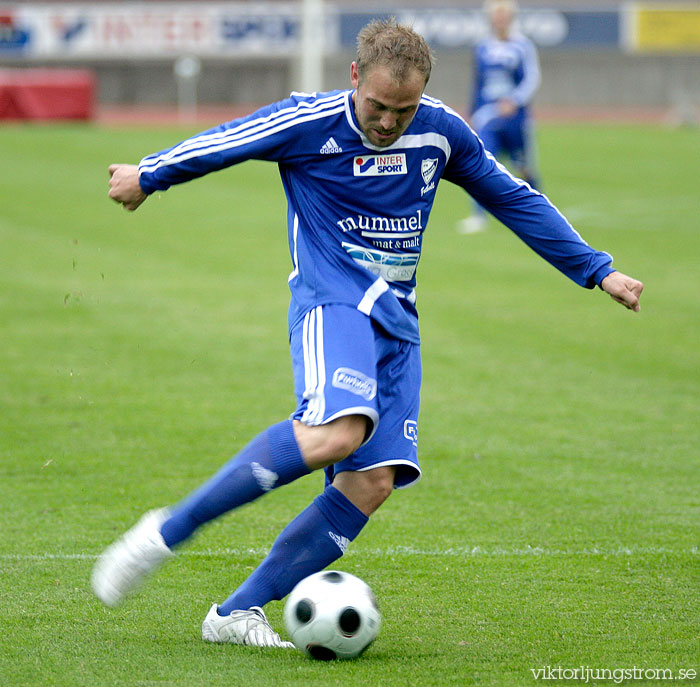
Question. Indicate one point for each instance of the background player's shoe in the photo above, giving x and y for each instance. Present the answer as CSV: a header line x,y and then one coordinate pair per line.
x,y
122,566
247,628
471,225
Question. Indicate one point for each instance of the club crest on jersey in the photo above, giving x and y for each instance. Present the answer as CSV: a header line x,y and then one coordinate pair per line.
x,y
379,165
428,167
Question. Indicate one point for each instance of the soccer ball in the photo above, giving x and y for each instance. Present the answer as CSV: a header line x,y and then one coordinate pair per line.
x,y
332,615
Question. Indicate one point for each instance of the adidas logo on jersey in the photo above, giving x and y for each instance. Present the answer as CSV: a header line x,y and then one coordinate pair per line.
x,y
330,147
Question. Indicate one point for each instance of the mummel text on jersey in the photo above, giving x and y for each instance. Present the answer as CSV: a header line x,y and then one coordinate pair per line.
x,y
357,213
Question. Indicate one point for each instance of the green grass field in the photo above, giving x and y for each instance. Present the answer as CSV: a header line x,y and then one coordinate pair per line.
x,y
557,520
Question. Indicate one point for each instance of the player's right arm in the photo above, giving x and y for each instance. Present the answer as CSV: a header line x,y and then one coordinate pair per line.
x,y
273,133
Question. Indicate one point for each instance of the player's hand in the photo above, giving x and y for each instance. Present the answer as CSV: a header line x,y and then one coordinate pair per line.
x,y
507,107
623,289
124,186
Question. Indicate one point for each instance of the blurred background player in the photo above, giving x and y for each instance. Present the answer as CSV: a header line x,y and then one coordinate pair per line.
x,y
507,76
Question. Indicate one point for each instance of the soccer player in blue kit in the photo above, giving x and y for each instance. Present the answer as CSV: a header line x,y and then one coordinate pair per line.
x,y
359,168
506,78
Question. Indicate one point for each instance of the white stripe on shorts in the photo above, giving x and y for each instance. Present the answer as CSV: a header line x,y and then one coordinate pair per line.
x,y
314,367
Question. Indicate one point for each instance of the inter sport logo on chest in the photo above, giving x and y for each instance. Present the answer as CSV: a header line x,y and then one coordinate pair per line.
x,y
379,165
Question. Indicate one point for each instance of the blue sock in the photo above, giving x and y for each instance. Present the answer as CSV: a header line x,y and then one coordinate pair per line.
x,y
318,536
269,461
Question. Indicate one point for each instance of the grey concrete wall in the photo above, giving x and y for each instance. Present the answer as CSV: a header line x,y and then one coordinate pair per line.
x,y
573,78
570,79
221,82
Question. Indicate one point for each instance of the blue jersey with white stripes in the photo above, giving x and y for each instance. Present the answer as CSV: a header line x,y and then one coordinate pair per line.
x,y
503,69
357,213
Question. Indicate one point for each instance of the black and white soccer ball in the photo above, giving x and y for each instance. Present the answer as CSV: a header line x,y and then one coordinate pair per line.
x,y
332,615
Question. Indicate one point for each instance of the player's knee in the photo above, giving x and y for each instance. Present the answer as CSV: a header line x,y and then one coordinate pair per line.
x,y
381,488
325,445
342,441
367,489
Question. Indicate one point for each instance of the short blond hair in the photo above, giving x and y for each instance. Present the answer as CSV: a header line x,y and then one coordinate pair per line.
x,y
491,5
397,46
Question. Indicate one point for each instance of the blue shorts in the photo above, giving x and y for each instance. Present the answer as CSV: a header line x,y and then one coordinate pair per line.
x,y
345,364
511,136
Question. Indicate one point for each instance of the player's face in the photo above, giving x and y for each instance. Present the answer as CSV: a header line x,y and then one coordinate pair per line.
x,y
501,19
384,107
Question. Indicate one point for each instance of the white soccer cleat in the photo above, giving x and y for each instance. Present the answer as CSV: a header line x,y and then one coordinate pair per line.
x,y
471,225
247,628
123,566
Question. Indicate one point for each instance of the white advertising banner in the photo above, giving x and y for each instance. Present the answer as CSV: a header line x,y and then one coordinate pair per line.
x,y
125,30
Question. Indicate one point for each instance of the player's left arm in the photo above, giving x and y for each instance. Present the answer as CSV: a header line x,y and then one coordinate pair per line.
x,y
525,91
533,218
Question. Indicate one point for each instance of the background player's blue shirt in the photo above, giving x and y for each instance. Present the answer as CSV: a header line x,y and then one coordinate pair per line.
x,y
503,69
357,212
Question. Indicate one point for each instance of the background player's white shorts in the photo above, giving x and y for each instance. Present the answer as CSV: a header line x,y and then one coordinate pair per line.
x,y
345,364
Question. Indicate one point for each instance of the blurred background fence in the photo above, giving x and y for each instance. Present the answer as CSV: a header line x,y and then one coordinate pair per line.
x,y
633,56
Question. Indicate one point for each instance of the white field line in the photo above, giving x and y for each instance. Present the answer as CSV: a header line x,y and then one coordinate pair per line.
x,y
461,551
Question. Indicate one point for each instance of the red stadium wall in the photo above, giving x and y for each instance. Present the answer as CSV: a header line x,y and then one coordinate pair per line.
x,y
43,94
